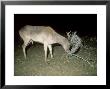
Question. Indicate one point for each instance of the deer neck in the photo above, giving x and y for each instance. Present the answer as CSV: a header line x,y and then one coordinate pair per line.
x,y
64,42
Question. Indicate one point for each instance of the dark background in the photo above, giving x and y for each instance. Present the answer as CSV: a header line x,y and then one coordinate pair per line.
x,y
84,24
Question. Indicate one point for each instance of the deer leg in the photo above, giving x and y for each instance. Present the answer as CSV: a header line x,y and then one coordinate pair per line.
x,y
45,49
50,49
24,47
24,52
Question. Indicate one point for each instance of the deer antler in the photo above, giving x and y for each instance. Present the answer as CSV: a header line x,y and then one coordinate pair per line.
x,y
68,34
75,32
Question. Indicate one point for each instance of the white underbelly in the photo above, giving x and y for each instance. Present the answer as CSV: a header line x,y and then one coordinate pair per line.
x,y
40,40
43,39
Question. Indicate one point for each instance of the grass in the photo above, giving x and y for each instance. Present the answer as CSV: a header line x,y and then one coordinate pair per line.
x,y
35,65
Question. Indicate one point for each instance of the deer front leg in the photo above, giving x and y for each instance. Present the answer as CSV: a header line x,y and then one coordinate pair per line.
x,y
50,49
45,49
24,51
24,47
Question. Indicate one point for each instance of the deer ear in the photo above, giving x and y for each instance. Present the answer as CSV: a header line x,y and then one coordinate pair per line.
x,y
67,33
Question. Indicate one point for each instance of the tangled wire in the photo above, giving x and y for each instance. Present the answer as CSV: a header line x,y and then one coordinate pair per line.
x,y
76,44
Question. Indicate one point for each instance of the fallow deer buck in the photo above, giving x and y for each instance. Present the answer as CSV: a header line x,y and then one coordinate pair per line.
x,y
42,34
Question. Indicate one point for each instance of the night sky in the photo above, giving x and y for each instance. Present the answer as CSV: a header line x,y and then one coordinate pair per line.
x,y
84,24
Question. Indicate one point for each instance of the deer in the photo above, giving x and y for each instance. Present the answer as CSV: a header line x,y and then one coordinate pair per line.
x,y
45,35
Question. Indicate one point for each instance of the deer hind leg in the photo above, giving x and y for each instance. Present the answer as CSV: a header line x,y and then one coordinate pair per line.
x,y
50,49
45,49
24,48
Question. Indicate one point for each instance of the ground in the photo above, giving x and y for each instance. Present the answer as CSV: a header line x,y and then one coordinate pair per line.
x,y
61,65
